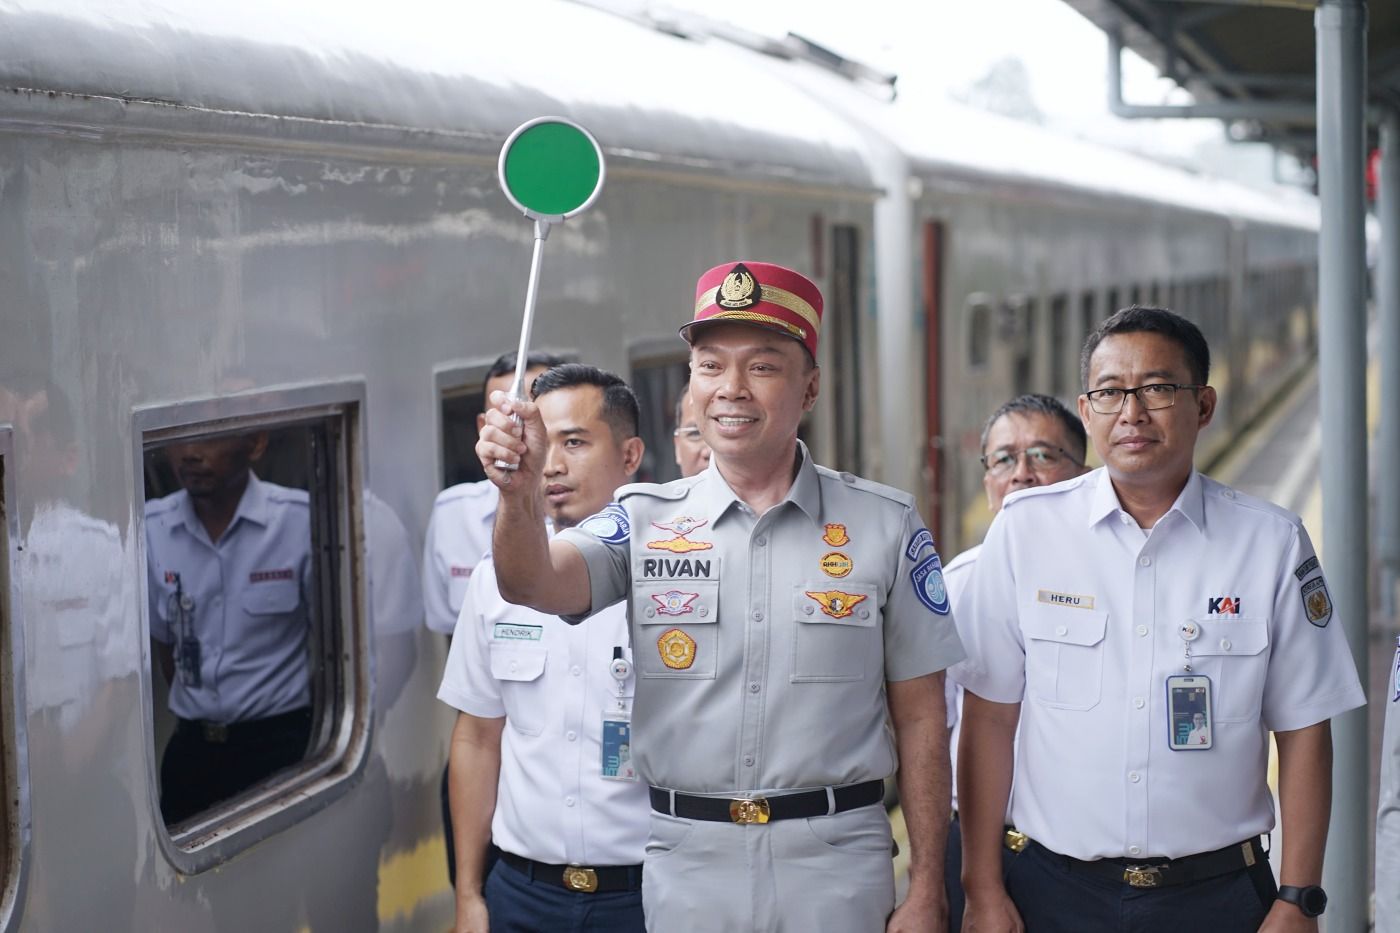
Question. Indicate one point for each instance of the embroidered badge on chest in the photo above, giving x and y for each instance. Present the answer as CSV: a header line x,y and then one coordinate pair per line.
x,y
674,602
681,544
677,649
1223,606
837,604
836,535
836,564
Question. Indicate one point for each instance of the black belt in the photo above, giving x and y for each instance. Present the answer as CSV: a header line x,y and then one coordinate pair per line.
x,y
1162,873
580,878
768,809
222,733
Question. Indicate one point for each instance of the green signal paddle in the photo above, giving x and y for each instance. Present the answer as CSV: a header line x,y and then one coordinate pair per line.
x,y
551,169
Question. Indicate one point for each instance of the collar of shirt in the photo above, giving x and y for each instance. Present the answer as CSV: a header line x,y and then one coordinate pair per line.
x,y
253,507
1190,503
717,497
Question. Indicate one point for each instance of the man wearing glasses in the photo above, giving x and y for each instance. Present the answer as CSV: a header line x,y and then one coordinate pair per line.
x,y
1104,613
1032,440
692,453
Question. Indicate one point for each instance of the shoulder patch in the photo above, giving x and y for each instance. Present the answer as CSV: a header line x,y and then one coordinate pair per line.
x,y
927,579
921,539
1317,602
1305,568
610,525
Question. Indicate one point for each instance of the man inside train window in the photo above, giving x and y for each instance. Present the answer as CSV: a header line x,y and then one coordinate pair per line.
x,y
541,752
1031,440
692,453
1094,603
791,627
230,582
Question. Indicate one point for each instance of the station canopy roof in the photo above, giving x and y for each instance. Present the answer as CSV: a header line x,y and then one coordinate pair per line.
x,y
1249,50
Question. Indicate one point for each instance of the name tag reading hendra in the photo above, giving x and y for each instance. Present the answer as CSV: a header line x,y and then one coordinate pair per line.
x,y
1072,600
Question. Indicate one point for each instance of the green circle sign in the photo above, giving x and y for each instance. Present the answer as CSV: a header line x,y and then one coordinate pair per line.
x,y
551,168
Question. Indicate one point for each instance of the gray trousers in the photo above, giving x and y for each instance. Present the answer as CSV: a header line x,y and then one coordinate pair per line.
x,y
791,876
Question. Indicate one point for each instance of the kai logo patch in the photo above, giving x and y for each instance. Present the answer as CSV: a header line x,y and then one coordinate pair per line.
x,y
610,525
681,528
674,602
837,604
836,564
171,577
461,573
1317,602
677,649
1223,606
836,536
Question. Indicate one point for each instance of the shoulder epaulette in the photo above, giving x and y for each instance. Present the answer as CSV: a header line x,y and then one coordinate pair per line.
x,y
866,485
1057,489
676,489
1244,500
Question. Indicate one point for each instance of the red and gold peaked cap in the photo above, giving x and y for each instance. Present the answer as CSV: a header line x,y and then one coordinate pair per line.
x,y
761,294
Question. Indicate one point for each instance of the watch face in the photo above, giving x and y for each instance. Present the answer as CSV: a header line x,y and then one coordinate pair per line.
x,y
1313,900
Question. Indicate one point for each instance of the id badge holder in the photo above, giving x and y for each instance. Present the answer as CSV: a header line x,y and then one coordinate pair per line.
x,y
617,724
1190,719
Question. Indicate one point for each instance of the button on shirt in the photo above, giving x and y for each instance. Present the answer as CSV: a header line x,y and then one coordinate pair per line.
x,y
1079,616
251,601
551,680
459,535
763,643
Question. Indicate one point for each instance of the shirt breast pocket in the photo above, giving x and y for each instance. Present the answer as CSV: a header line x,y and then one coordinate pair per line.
x,y
678,621
280,597
517,669
836,632
1231,653
1064,656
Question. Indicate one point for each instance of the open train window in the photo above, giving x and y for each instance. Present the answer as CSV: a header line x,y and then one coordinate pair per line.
x,y
658,382
14,773
979,329
259,656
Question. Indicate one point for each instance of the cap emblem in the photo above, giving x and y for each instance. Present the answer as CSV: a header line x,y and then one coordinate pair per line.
x,y
739,290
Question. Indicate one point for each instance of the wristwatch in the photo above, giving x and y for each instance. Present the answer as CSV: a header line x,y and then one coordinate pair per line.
x,y
1311,900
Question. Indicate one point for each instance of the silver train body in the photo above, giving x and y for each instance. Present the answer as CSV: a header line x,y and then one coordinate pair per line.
x,y
213,220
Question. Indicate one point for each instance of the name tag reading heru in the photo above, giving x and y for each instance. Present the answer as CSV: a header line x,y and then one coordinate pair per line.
x,y
1073,600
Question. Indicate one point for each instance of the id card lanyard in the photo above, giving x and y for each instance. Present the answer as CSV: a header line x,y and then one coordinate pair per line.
x,y
617,762
187,656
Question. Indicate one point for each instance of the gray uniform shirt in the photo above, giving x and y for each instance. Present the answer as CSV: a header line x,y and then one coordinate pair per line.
x,y
763,644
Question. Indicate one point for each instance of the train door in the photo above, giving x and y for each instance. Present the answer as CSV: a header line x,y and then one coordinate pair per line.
x,y
931,272
842,329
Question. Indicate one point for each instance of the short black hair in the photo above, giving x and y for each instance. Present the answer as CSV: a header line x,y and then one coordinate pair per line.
x,y
1036,404
620,409
1138,319
505,363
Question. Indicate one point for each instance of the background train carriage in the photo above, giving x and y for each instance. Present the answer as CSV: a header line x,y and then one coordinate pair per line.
x,y
219,219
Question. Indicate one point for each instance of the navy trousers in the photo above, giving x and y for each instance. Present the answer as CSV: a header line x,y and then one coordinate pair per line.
x,y
1054,898
518,904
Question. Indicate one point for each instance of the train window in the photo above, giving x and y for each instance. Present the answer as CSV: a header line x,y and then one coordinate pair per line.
x,y
1134,295
14,774
658,384
842,323
1088,317
1113,305
979,330
258,659
1023,336
1154,294
1060,362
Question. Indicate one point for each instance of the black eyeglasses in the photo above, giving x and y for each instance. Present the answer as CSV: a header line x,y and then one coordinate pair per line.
x,y
1040,458
1157,395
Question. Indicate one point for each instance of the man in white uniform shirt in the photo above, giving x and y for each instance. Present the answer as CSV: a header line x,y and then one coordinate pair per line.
x,y
228,561
541,756
459,535
1032,440
1104,612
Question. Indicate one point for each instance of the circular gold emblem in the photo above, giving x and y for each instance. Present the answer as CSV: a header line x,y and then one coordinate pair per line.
x,y
836,564
677,649
739,289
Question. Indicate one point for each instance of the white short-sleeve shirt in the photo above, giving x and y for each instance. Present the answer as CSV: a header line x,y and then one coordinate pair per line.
x,y
551,681
251,594
1080,615
956,575
459,535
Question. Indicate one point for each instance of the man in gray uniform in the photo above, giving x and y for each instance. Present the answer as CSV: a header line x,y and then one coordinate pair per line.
x,y
790,628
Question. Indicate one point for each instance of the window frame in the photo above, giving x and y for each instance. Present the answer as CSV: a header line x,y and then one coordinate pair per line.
x,y
14,718
658,355
228,830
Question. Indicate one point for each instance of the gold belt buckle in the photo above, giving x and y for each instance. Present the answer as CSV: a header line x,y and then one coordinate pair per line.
x,y
215,732
746,810
1142,876
1016,840
580,879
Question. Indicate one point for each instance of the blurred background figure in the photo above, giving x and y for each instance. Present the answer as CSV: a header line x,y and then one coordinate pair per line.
x,y
692,453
